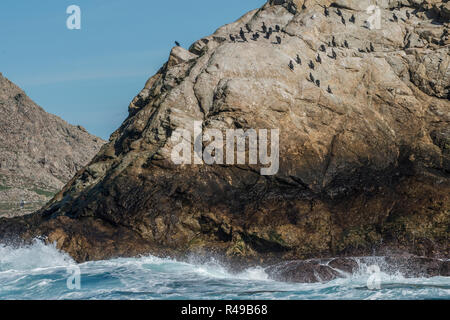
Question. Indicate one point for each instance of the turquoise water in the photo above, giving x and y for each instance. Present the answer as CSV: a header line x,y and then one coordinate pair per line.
x,y
41,272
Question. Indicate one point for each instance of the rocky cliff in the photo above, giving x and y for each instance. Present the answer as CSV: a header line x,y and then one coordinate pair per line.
x,y
364,143
39,152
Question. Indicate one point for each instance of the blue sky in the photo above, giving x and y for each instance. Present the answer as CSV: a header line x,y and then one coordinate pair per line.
x,y
89,76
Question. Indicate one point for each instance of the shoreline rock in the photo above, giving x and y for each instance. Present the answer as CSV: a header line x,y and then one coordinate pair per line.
x,y
363,169
324,270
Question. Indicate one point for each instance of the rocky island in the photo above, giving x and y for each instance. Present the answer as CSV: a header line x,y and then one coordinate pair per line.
x,y
39,152
364,144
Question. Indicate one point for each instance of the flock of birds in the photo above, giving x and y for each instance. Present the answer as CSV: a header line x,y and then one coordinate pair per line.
x,y
267,32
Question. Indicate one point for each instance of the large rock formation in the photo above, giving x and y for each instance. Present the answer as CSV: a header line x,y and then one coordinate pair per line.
x,y
364,166
39,152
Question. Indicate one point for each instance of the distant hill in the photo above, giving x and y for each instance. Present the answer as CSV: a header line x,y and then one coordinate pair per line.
x,y
39,152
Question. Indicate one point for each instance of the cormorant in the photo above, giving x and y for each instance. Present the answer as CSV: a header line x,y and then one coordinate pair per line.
x,y
319,59
339,12
177,43
244,38
371,47
361,50
255,36
264,28
329,90
277,28
333,42
270,30
318,83
242,33
311,64
326,12
408,15
352,19
333,54
395,17
298,60
311,78
278,40
247,26
303,6
322,48
232,38
267,36
343,20
291,65
346,44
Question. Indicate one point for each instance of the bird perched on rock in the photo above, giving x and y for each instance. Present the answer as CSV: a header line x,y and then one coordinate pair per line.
x,y
326,12
339,12
242,33
394,16
371,47
408,15
277,28
278,40
346,44
333,42
303,6
329,90
255,36
247,26
361,50
298,60
232,38
267,36
311,77
270,30
318,83
291,65
322,48
352,18
244,38
311,64
264,28
343,20
177,43
333,54
292,8
318,59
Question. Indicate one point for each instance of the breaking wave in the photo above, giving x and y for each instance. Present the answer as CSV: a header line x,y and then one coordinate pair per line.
x,y
40,271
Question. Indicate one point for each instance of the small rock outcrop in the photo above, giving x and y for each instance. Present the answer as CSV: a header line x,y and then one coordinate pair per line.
x,y
324,270
39,152
364,144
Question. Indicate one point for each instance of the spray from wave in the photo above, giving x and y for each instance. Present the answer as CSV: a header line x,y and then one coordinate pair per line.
x,y
40,271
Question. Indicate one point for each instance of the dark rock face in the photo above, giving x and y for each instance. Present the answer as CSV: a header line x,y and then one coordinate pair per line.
x,y
311,271
302,271
347,265
39,152
362,169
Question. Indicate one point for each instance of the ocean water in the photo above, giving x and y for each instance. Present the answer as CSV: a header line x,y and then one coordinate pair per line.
x,y
41,271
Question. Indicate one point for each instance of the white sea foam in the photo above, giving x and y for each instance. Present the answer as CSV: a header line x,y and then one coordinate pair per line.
x,y
30,257
38,271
